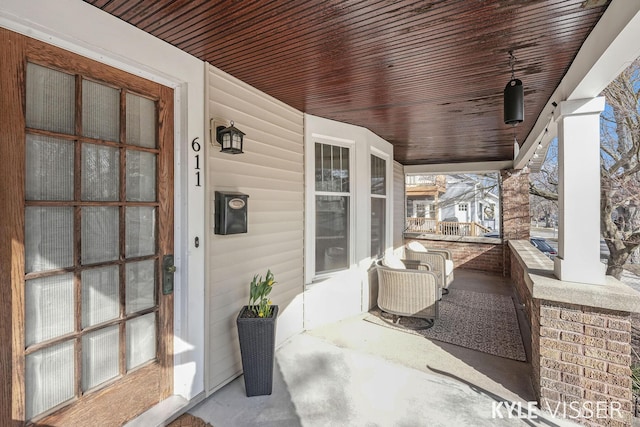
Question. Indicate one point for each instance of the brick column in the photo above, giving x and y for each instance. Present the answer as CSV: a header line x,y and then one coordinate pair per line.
x,y
515,219
581,357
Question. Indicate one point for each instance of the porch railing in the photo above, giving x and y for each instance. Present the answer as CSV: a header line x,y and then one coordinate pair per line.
x,y
432,226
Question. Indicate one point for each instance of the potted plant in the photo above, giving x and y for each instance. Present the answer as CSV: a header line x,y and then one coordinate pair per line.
x,y
257,335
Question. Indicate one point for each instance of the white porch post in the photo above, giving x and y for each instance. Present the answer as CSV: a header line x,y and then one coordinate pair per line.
x,y
579,191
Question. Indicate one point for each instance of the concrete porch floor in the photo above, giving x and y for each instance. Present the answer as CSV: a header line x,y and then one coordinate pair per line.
x,y
356,373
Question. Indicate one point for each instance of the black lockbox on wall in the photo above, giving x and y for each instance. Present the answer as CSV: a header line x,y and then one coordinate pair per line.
x,y
231,213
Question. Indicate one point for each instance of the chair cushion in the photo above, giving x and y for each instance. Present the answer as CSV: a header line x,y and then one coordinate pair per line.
x,y
393,261
448,267
416,246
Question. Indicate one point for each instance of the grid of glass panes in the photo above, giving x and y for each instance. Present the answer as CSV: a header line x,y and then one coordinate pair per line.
x,y
378,205
332,198
90,298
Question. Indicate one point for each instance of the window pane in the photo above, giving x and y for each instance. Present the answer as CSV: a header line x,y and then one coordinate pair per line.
x,y
100,233
141,340
140,231
320,185
332,233
50,100
141,285
49,168
49,378
378,176
49,305
141,176
100,111
100,172
344,170
100,295
48,238
100,356
332,168
378,241
141,121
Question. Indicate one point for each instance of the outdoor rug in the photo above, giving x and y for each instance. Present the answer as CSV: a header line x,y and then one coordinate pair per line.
x,y
479,321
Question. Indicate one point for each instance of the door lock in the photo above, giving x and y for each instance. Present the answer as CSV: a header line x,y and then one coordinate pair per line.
x,y
167,274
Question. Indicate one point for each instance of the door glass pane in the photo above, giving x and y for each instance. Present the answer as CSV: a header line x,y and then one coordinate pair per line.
x,y
100,295
100,111
49,168
140,229
100,172
100,356
141,340
141,121
48,238
50,100
49,308
100,234
49,378
141,176
141,285
332,233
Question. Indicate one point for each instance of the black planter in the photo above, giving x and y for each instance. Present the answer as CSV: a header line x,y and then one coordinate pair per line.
x,y
257,337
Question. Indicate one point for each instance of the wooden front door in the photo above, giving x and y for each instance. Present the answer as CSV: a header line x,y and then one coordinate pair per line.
x,y
87,221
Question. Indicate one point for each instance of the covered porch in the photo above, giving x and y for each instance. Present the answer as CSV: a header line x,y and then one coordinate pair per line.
x,y
355,372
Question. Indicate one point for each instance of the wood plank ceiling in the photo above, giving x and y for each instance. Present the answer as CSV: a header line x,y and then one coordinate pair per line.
x,y
427,76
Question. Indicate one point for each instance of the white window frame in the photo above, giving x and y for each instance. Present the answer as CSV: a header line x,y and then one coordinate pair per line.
x,y
360,142
388,208
310,228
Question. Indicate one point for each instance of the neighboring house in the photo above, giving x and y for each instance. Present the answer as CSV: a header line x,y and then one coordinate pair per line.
x,y
468,198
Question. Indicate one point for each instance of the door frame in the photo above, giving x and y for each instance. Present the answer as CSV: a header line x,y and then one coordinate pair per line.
x,y
90,32
17,49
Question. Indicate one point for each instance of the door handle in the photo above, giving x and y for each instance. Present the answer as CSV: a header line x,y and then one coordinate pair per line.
x,y
167,274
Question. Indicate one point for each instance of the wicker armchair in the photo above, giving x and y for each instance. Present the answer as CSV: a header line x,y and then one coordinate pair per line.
x,y
408,292
440,260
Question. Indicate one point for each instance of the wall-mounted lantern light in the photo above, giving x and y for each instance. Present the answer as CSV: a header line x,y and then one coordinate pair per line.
x,y
230,138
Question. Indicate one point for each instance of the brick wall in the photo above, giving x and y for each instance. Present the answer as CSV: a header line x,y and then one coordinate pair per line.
x,y
472,255
635,338
517,279
584,355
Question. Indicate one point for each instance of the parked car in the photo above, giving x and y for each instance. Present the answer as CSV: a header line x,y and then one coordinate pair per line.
x,y
540,243
544,247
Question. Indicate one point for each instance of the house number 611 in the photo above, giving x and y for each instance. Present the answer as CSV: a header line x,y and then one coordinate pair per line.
x,y
195,146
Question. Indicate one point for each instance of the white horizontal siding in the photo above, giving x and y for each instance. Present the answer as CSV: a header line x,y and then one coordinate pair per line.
x,y
271,172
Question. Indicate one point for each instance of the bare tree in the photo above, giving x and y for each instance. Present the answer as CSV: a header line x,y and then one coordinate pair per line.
x,y
620,167
620,170
543,187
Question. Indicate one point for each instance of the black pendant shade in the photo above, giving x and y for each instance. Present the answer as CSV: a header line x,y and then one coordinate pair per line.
x,y
513,102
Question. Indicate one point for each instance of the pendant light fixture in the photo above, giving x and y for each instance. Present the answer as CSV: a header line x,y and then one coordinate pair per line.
x,y
513,97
